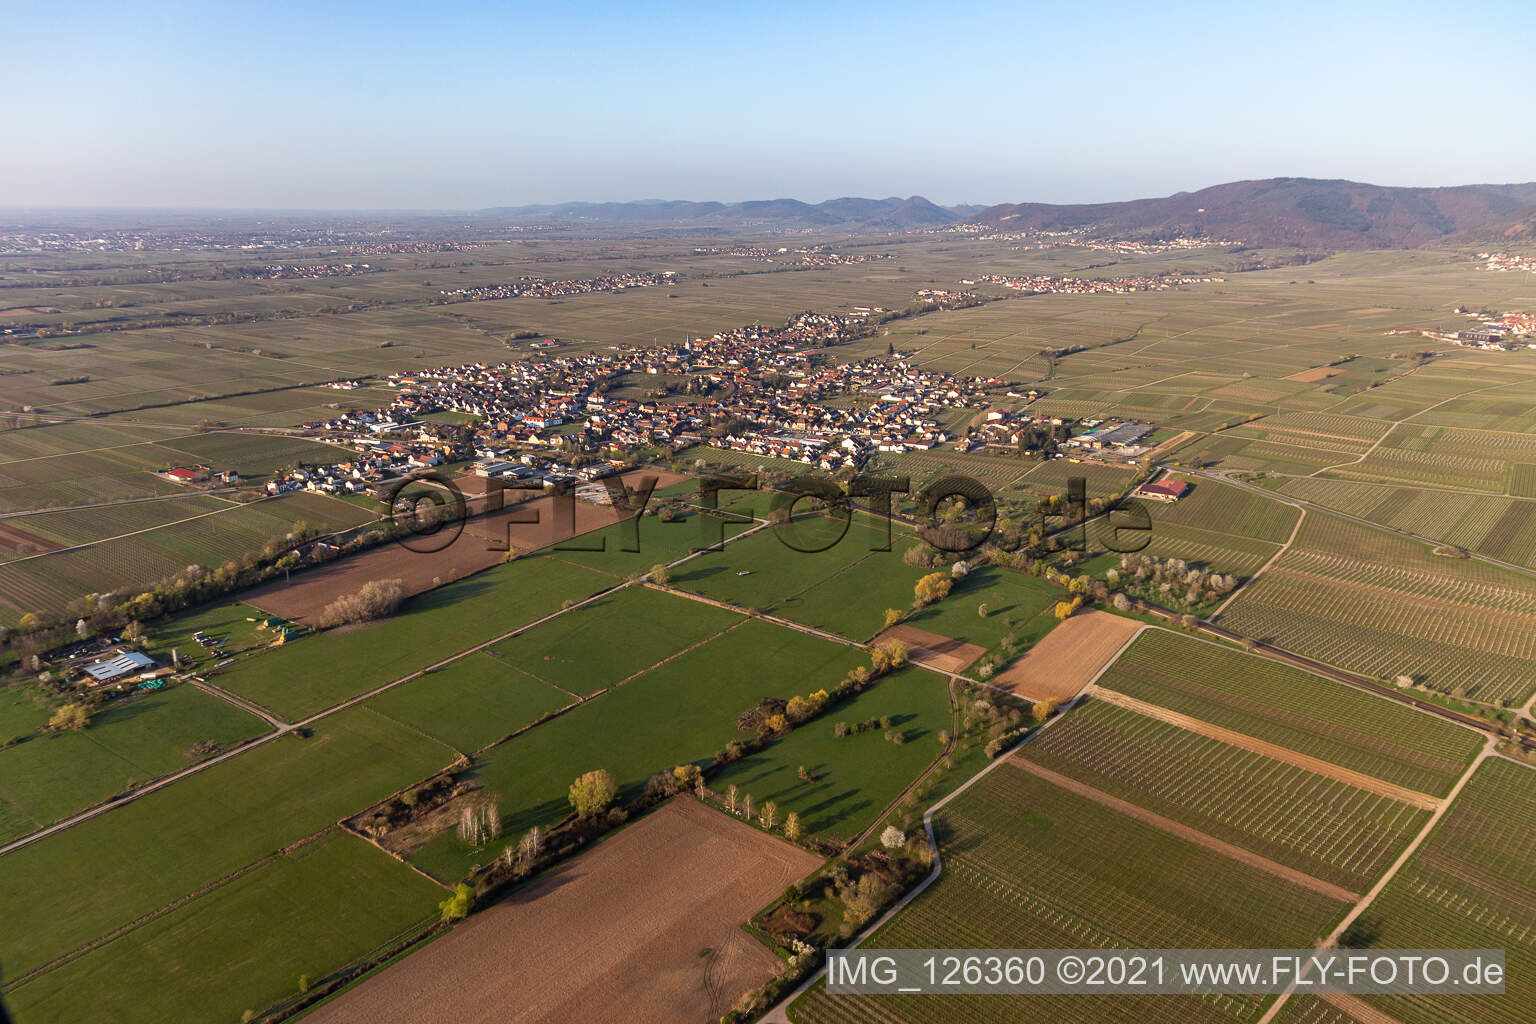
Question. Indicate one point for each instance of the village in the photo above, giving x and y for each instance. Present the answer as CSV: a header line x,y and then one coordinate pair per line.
x,y
539,288
1041,284
774,393
313,271
1044,239
1507,261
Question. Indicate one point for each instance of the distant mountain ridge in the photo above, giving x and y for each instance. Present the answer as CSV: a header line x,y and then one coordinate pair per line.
x,y
1286,212
846,214
1304,213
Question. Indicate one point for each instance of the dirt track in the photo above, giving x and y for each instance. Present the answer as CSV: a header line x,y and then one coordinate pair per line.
x,y
933,650
1318,767
1185,832
1069,656
617,934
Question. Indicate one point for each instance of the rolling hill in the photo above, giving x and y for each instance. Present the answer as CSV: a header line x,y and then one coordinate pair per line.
x,y
1286,212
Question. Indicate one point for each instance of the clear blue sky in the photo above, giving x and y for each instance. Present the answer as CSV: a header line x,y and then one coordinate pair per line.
x,y
459,106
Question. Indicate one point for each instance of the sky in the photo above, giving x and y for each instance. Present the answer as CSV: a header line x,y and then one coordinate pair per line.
x,y
448,106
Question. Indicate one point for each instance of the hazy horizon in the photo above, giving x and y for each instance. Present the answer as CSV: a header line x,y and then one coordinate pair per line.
x,y
386,108
449,212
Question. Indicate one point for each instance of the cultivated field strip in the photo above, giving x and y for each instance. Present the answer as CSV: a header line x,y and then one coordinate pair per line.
x,y
1326,425
48,582
1323,443
1428,468
1294,709
1496,526
1451,669
1316,1010
1222,552
1472,885
1502,445
1306,821
1386,607
1031,865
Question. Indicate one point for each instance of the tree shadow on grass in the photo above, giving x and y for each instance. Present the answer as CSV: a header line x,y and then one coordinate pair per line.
x,y
693,575
826,822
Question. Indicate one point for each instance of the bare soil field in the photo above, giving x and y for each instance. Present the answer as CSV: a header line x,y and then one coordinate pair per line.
x,y
539,523
1069,656
933,650
1172,442
642,929
1315,374
1257,746
1185,832
482,544
312,590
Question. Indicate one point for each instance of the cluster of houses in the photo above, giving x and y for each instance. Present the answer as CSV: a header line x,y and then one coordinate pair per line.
x,y
379,461
286,271
1507,261
1504,332
808,256
539,288
1072,239
1050,284
746,252
820,257
943,298
1007,429
409,248
774,392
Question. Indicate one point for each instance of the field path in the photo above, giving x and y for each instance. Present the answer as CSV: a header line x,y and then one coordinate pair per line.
x,y
248,706
1408,851
1295,530
1284,754
1182,831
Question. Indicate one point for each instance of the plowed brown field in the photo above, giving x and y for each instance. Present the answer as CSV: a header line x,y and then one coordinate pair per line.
x,y
617,934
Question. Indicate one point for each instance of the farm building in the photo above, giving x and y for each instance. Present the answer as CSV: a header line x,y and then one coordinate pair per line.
x,y
1165,490
118,668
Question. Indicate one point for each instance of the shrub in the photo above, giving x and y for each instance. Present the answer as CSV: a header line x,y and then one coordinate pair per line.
x,y
373,600
70,718
456,907
592,793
